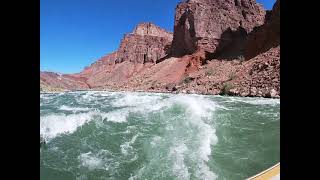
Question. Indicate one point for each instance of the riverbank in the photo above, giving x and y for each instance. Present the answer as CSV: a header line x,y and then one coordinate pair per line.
x,y
257,77
150,91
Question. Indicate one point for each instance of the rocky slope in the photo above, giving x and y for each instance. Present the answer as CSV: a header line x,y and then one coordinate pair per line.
x,y
138,50
218,47
44,87
257,77
62,81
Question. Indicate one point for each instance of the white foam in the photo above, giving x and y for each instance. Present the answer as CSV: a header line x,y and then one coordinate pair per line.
x,y
90,161
87,97
73,109
177,153
138,174
199,109
118,116
126,147
207,138
196,106
155,140
135,103
198,114
106,94
60,93
47,96
135,99
56,124
103,159
147,103
255,101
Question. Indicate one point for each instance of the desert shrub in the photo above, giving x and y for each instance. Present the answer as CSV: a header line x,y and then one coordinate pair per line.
x,y
226,88
241,58
232,75
210,72
187,79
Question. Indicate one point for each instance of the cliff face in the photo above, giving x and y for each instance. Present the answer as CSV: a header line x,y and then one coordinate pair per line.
x,y
208,24
266,36
211,36
105,64
144,46
147,43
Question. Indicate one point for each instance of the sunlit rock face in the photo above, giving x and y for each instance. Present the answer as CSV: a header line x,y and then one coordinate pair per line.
x,y
147,43
208,24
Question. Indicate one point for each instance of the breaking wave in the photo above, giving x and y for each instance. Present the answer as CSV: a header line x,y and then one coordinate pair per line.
x,y
56,124
156,136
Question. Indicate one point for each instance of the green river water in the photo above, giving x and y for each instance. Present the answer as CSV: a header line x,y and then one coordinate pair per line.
x,y
124,135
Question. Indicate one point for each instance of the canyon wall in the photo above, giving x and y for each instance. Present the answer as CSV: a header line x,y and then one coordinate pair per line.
x,y
266,36
138,49
218,47
147,43
208,24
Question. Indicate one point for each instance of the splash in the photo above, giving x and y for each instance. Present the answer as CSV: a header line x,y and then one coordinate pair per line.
x,y
57,124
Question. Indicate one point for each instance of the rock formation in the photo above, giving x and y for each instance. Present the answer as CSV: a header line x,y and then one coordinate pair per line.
x,y
200,24
266,36
103,64
260,76
62,81
218,47
147,43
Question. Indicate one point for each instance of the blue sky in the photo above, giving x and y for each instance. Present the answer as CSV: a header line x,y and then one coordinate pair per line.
x,y
75,33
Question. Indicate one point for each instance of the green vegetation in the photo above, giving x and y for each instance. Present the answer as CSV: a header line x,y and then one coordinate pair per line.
x,y
226,88
187,79
241,58
210,72
232,75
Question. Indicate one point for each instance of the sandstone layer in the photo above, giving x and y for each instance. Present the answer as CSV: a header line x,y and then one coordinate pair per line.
x,y
218,47
147,43
209,24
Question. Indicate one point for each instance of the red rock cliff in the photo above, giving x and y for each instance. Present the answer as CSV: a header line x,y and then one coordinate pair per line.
x,y
147,43
104,63
221,28
200,24
266,36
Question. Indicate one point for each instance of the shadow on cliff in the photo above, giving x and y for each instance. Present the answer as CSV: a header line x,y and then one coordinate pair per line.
x,y
236,44
267,36
232,44
185,41
184,38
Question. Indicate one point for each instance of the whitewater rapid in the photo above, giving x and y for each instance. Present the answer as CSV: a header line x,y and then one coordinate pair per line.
x,y
122,135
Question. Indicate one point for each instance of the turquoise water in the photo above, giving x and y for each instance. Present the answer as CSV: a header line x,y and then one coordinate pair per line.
x,y
120,135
